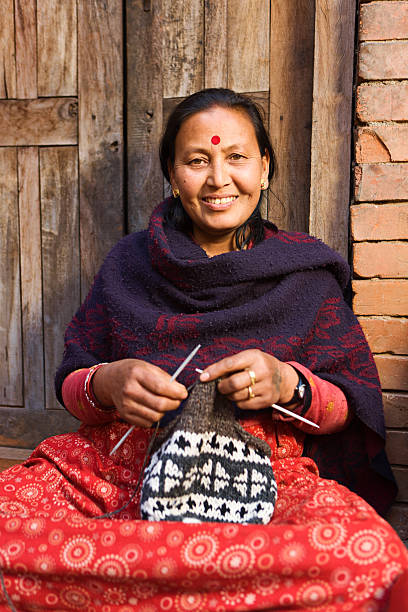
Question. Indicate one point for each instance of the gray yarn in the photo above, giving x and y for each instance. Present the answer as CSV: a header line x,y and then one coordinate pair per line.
x,y
206,467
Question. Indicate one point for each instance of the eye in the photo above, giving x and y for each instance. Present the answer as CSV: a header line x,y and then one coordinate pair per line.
x,y
237,156
197,161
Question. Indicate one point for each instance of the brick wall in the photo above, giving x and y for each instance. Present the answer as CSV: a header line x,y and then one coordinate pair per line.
x,y
379,218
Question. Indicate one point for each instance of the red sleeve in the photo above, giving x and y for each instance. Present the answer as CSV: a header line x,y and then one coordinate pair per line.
x,y
328,406
80,400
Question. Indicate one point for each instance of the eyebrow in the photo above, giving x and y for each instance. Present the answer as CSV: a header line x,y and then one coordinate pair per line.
x,y
200,149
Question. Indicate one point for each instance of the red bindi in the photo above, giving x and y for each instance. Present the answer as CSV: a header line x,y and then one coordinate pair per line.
x,y
215,140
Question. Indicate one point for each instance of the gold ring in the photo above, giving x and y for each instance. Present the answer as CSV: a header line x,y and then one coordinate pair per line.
x,y
252,377
251,394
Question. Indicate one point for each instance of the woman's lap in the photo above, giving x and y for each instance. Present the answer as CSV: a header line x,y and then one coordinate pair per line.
x,y
324,549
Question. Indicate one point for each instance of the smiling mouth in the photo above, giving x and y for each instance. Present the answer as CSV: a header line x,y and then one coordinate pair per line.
x,y
219,202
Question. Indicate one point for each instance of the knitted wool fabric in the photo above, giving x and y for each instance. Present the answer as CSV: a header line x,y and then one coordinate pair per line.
x,y
208,468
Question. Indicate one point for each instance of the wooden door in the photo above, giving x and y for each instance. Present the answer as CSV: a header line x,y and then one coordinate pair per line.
x,y
61,193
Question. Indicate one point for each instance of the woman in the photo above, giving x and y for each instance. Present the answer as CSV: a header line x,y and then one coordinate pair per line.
x,y
268,310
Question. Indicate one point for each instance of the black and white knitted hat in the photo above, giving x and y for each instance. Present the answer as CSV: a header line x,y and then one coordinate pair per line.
x,y
208,468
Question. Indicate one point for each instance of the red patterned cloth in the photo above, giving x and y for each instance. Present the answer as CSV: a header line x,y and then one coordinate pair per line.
x,y
325,548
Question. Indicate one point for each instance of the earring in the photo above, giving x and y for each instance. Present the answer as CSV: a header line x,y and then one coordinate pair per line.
x,y
176,192
264,184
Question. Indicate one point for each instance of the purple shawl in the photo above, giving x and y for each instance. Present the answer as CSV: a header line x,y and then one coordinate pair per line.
x,y
158,294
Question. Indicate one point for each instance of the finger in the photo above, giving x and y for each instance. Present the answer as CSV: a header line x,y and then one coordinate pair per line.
x,y
159,383
234,363
235,382
256,403
142,413
139,396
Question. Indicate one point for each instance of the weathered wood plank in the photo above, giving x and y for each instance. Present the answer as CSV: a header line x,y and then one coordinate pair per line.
x,y
60,253
26,48
57,48
11,391
144,112
183,35
24,429
16,454
291,82
7,51
396,447
46,121
31,277
396,409
215,43
248,45
100,82
332,121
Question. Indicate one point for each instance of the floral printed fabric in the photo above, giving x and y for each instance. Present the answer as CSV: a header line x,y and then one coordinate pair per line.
x,y
325,549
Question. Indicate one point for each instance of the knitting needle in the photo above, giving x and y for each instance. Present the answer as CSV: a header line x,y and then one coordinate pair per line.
x,y
296,416
284,410
174,376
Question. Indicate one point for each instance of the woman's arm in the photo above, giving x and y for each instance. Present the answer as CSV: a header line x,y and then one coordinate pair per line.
x,y
275,382
136,391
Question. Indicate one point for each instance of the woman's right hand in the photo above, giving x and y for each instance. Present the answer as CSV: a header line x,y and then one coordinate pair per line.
x,y
141,392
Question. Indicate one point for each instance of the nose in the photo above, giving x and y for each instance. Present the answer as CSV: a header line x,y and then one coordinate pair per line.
x,y
218,174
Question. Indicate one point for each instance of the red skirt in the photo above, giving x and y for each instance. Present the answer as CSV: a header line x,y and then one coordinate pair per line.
x,y
325,548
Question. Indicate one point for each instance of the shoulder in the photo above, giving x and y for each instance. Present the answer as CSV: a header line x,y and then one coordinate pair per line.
x,y
299,251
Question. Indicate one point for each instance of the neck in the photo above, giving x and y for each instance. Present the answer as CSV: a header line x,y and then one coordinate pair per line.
x,y
216,245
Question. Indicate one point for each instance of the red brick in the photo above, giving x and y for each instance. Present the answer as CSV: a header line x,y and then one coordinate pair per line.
x,y
393,372
401,476
396,409
384,20
381,143
382,101
369,147
380,297
379,221
381,182
383,60
386,335
381,259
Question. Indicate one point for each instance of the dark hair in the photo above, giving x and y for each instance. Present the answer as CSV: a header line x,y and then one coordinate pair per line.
x,y
201,101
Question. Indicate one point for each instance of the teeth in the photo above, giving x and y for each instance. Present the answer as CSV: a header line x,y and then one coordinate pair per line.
x,y
221,200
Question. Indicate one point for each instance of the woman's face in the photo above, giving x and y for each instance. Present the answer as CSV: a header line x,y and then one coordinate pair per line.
x,y
218,170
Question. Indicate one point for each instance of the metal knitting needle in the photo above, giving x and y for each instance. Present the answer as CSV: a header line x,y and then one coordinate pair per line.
x,y
296,416
174,376
284,410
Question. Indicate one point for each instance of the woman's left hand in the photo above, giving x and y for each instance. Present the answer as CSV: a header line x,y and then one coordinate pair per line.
x,y
253,379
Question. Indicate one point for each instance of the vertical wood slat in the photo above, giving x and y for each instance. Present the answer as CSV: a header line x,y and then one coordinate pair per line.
x,y
26,48
248,45
144,112
291,82
57,48
183,35
60,253
215,43
100,82
11,391
31,277
7,51
332,121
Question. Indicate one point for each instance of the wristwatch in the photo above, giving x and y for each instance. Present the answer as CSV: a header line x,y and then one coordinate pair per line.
x,y
298,394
